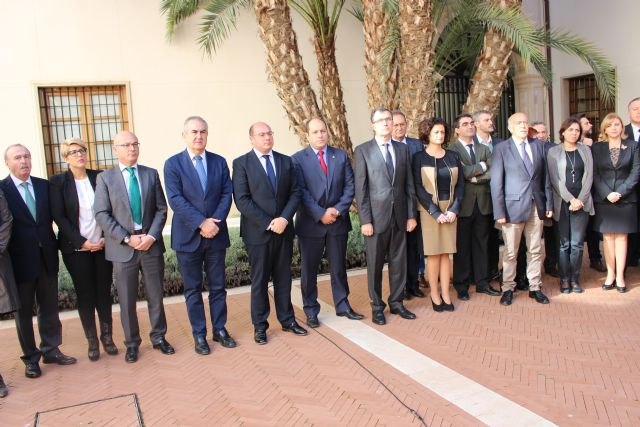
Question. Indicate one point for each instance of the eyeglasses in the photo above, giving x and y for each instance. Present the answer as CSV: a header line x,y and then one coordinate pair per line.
x,y
128,145
383,119
78,152
263,134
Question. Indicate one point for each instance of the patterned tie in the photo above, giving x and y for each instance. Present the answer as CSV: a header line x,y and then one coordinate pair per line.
x,y
134,196
525,159
28,197
323,165
271,174
202,174
472,154
388,161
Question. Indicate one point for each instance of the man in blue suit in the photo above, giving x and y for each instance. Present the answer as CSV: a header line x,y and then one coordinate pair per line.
x,y
322,223
199,191
521,196
33,249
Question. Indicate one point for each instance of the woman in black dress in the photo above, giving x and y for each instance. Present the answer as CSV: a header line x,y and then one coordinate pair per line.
x,y
615,175
439,188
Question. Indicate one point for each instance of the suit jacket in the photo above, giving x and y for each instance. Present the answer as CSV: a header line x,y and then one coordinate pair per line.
x,y
382,199
478,192
9,299
414,145
191,205
319,192
256,201
512,188
113,211
557,167
31,236
621,178
65,209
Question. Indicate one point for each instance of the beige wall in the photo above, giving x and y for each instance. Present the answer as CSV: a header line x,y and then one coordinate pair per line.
x,y
69,42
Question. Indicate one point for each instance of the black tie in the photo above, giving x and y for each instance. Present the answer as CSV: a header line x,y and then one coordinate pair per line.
x,y
472,154
388,161
271,174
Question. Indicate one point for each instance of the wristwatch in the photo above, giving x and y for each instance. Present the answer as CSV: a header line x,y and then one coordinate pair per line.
x,y
126,240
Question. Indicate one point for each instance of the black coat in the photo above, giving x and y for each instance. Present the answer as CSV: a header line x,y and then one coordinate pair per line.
x,y
9,300
621,178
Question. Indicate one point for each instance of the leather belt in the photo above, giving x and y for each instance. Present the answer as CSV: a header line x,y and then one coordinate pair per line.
x,y
136,232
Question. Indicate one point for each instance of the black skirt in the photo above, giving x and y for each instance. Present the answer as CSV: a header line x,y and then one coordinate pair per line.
x,y
616,218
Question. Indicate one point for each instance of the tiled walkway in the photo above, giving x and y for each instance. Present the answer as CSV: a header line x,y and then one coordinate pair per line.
x,y
573,362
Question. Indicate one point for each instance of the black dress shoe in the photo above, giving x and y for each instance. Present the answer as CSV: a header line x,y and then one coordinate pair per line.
x,y
496,276
417,293
608,287
403,312
539,297
621,289
522,285
350,314
32,370
58,358
164,346
422,282
378,318
222,336
463,295
439,308
507,298
4,391
598,266
295,328
447,306
313,322
565,288
260,336
131,355
408,295
201,345
576,288
488,290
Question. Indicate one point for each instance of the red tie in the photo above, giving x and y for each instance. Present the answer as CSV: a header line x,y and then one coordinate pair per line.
x,y
323,165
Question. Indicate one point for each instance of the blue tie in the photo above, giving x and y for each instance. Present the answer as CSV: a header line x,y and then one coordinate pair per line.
x,y
525,159
271,174
201,172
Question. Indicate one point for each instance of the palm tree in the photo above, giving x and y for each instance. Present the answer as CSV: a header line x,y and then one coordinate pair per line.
x,y
284,62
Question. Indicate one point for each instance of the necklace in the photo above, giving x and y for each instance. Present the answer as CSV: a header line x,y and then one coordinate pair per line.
x,y
573,165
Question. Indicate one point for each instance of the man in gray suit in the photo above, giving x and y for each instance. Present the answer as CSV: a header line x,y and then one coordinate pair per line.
x,y
521,196
386,207
131,209
470,262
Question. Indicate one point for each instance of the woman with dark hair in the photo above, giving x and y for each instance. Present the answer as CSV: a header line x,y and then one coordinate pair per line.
x,y
82,245
616,165
439,188
570,167
9,301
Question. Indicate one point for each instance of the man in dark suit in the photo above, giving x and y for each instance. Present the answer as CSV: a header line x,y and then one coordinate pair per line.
x,y
131,210
386,207
34,256
415,251
632,130
470,263
322,223
521,196
199,191
267,195
483,122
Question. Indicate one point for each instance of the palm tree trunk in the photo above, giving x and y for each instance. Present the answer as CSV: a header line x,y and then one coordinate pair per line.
x,y
492,68
381,83
284,62
416,87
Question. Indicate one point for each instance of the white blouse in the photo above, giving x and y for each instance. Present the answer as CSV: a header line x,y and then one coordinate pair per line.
x,y
89,229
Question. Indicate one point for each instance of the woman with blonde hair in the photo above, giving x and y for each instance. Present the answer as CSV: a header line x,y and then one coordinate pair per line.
x,y
82,245
616,166
439,188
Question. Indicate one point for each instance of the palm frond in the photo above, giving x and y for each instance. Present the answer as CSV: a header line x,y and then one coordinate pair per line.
x,y
389,51
316,14
177,11
220,18
356,10
603,69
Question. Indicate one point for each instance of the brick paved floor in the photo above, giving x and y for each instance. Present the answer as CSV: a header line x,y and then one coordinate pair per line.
x,y
573,362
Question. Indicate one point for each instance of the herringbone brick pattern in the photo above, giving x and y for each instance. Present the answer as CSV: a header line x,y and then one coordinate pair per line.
x,y
573,362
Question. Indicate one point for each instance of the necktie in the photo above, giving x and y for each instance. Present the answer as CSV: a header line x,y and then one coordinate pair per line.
x,y
28,197
323,165
134,196
271,174
472,154
388,161
525,159
201,172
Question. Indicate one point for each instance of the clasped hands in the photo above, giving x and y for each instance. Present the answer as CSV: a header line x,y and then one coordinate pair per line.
x,y
614,197
446,218
141,242
575,205
93,247
278,225
209,228
330,216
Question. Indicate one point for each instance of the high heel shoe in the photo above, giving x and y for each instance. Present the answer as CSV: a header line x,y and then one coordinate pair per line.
x,y
447,306
606,287
437,307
